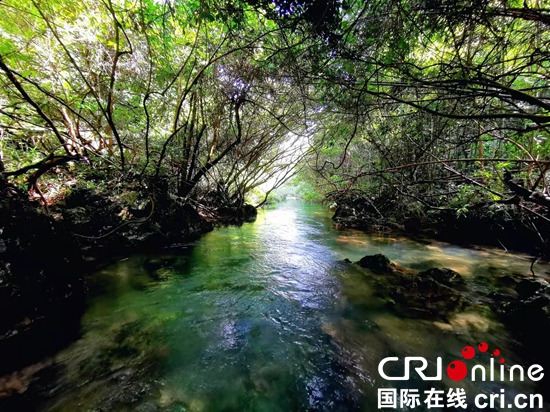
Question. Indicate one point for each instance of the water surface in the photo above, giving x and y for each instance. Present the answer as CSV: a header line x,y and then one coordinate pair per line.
x,y
265,317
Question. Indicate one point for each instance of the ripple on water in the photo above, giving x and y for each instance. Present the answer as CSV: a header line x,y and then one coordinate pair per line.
x,y
260,317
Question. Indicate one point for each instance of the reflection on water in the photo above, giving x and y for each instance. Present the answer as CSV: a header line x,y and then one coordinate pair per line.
x,y
263,317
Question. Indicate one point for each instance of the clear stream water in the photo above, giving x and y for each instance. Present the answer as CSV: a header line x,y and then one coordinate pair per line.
x,y
265,317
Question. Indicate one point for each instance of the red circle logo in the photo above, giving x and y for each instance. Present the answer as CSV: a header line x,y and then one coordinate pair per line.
x,y
468,352
457,370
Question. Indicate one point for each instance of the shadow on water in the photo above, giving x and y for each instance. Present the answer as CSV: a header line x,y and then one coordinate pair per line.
x,y
262,317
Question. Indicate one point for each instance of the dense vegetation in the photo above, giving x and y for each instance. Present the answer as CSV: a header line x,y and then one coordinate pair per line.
x,y
411,108
181,91
128,124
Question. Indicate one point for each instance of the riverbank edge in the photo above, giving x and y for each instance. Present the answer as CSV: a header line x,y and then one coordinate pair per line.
x,y
521,303
46,254
485,226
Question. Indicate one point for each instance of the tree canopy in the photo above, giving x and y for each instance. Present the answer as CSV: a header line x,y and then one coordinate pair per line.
x,y
442,103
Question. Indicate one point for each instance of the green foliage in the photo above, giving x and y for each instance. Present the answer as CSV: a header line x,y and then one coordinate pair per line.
x,y
179,90
425,104
306,190
255,196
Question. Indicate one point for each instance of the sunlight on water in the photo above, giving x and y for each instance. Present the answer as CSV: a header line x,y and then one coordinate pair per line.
x,y
263,317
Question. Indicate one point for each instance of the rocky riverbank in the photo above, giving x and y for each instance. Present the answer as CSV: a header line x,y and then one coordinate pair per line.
x,y
41,281
46,253
494,225
520,303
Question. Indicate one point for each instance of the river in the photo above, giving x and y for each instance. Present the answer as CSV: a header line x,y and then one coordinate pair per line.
x,y
264,317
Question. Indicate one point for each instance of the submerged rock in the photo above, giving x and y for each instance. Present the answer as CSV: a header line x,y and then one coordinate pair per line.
x,y
377,263
433,292
445,276
424,295
162,274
